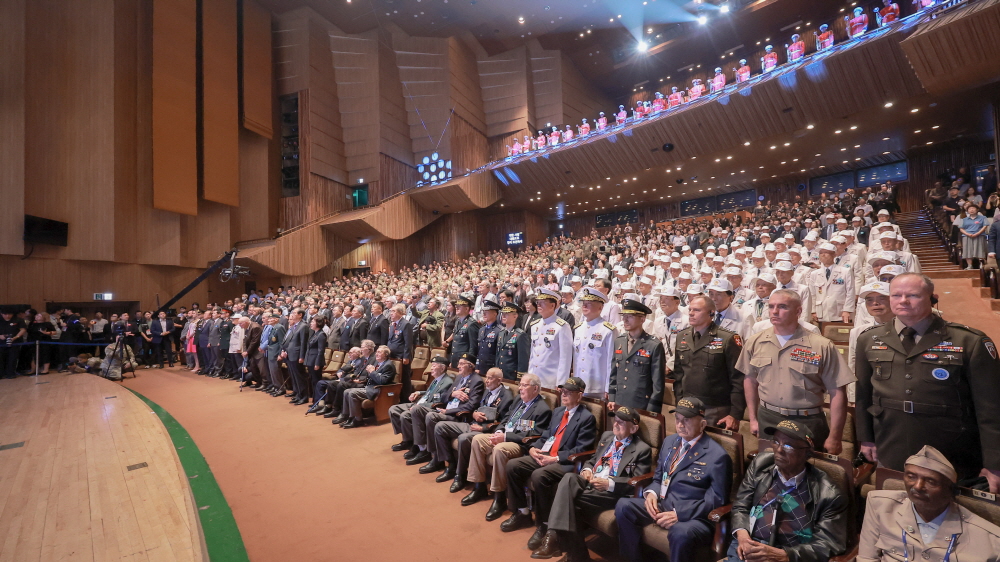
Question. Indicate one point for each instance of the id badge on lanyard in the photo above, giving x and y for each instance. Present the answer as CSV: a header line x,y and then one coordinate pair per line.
x,y
548,445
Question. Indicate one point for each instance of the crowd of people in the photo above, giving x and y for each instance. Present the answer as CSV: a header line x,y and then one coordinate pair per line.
x,y
727,309
663,103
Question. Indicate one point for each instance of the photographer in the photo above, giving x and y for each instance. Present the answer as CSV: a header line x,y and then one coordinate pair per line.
x,y
12,330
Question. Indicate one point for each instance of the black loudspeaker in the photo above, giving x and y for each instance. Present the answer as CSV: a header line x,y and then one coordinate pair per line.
x,y
667,147
680,180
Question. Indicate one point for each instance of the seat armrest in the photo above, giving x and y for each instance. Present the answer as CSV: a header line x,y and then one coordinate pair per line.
x,y
847,556
640,481
863,473
581,456
720,543
718,513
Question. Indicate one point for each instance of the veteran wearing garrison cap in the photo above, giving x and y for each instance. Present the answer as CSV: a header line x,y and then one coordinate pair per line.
x,y
593,343
639,363
466,335
551,342
923,522
513,345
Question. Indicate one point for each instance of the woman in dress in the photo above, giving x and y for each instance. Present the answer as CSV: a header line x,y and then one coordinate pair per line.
x,y
973,230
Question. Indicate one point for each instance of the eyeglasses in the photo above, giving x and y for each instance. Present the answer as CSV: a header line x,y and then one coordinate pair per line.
x,y
790,448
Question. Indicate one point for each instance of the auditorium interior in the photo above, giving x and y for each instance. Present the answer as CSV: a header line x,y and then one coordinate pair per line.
x,y
159,153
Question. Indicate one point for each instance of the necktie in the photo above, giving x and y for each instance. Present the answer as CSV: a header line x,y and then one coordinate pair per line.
x,y
677,459
559,433
760,308
718,318
909,339
828,274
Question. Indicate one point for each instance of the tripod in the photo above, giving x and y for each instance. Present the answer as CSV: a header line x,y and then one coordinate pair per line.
x,y
119,354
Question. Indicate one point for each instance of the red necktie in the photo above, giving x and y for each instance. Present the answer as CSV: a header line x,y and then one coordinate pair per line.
x,y
559,433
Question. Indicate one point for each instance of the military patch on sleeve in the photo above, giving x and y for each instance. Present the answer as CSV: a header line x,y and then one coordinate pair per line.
x,y
990,347
737,340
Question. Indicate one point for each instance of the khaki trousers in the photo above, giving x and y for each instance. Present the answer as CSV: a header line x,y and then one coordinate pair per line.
x,y
498,455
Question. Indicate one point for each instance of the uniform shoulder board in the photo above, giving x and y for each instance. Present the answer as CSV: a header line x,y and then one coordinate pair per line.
x,y
578,325
724,330
535,322
560,321
609,325
966,328
870,328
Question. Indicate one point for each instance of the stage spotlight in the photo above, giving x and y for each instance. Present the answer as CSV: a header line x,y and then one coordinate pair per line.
x,y
702,20
667,147
724,8
642,47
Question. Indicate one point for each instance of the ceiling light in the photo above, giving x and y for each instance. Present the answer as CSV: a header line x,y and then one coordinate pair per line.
x,y
650,30
843,149
810,126
717,160
729,157
817,154
642,47
746,143
724,8
935,126
702,20
520,20
787,143
837,132
917,131
914,110
888,104
773,147
929,142
885,138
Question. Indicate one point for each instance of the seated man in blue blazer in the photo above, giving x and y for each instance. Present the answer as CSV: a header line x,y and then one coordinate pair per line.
x,y
381,373
548,460
693,476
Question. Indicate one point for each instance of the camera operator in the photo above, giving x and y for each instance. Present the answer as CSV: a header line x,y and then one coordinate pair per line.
x,y
12,330
128,330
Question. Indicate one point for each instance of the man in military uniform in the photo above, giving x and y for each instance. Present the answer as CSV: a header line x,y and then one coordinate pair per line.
x,y
924,381
513,345
486,355
788,369
466,392
223,363
924,521
114,363
466,335
401,415
639,363
431,321
593,342
705,365
551,342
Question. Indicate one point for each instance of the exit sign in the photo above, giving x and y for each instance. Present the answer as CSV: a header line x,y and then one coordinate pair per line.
x,y
103,296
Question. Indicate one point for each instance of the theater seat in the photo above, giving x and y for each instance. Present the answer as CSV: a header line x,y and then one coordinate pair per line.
x,y
335,361
387,396
837,332
418,367
668,393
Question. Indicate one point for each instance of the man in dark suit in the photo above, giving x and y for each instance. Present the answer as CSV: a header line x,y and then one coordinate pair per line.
x,y
638,364
400,343
381,373
693,476
548,460
252,352
466,392
401,415
493,406
214,343
355,329
620,456
271,346
378,329
529,417
293,354
351,375
161,330
829,228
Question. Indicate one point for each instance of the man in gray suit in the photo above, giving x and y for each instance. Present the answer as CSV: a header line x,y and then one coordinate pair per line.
x,y
337,322
293,353
214,341
275,339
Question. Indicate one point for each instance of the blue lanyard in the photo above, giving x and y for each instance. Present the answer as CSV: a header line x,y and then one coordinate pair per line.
x,y
947,553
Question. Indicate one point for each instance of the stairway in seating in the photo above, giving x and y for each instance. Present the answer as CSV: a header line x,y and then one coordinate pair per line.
x,y
926,243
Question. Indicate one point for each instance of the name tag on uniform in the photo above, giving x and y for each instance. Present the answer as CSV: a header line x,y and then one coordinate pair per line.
x,y
602,471
548,444
664,486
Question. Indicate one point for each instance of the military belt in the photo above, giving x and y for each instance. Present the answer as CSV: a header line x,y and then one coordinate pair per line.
x,y
917,407
792,411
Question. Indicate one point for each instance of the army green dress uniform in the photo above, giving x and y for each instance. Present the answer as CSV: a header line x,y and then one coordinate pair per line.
x,y
637,370
944,392
431,323
465,338
793,378
705,367
513,347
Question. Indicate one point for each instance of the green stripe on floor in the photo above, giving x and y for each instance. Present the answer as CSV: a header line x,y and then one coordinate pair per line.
x,y
222,536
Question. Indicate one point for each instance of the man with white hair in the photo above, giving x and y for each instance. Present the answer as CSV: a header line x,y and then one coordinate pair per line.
x,y
755,309
727,315
832,287
669,319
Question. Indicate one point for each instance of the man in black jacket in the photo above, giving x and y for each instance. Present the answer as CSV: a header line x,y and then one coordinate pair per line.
x,y
786,508
378,329
381,373
400,342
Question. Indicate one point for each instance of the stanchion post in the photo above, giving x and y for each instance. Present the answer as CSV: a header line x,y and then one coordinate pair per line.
x,y
38,356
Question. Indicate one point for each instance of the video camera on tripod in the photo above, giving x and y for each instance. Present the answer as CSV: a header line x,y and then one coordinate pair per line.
x,y
233,272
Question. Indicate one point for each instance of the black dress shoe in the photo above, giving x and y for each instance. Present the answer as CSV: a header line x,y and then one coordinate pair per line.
x,y
448,474
353,423
458,485
549,547
324,411
516,521
331,414
419,458
499,507
538,537
341,419
402,445
300,402
478,493
433,466
412,452
261,388
312,409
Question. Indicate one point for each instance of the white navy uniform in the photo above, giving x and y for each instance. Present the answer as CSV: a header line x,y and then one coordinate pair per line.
x,y
551,350
834,295
593,345
805,294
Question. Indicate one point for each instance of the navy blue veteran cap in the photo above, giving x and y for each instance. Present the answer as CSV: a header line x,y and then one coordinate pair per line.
x,y
627,414
575,384
689,407
470,357
440,359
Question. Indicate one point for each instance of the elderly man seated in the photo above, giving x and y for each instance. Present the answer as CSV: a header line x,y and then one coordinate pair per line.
x,y
786,509
620,456
529,417
693,476
548,461
924,521
403,416
496,402
464,397
381,373
327,389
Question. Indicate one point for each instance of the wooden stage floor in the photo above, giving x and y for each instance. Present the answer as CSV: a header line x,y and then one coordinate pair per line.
x,y
88,472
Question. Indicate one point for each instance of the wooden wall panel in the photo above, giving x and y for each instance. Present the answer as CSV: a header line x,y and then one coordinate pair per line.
x,y
220,103
466,95
206,236
394,177
256,217
469,147
12,98
394,129
926,163
424,71
322,126
503,79
291,56
355,59
69,123
256,79
580,98
319,197
175,157
546,80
